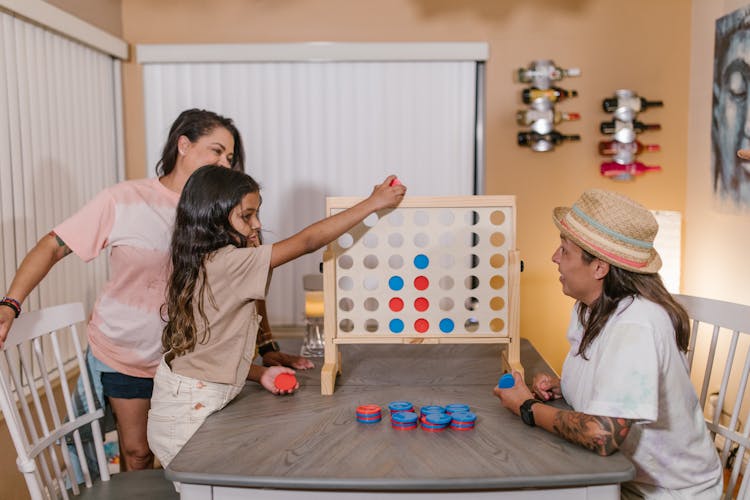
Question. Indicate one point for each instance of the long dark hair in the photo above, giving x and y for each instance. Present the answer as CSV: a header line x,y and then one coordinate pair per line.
x,y
194,124
201,227
620,284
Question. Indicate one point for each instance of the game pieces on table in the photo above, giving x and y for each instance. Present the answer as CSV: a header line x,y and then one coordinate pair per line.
x,y
432,418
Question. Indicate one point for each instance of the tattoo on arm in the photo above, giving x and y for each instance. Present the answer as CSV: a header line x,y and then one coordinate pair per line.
x,y
603,435
61,243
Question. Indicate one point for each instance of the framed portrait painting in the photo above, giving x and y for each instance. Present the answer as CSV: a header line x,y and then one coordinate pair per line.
x,y
730,127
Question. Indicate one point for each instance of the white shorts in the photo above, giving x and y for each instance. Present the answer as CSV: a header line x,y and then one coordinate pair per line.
x,y
179,405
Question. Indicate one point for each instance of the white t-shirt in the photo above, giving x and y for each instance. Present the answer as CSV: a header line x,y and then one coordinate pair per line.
x,y
635,370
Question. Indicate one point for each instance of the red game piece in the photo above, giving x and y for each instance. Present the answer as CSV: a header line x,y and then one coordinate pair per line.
x,y
395,182
285,381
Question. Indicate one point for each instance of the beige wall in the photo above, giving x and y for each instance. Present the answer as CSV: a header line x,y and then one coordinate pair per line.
x,y
104,14
639,44
716,241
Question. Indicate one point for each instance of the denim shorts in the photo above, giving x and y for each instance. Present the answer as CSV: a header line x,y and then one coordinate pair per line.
x,y
119,385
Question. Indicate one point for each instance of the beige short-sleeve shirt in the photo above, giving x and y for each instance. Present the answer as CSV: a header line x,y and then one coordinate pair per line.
x,y
237,277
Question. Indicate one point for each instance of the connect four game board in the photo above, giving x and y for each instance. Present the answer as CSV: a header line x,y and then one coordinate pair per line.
x,y
434,270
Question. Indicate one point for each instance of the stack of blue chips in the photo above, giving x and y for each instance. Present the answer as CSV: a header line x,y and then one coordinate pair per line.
x,y
435,422
404,420
399,406
463,421
456,408
369,414
426,410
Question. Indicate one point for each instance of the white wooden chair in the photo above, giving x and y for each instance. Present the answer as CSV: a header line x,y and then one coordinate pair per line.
x,y
719,360
33,379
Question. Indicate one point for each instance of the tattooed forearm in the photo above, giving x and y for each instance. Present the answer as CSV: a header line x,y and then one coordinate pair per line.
x,y
603,435
66,250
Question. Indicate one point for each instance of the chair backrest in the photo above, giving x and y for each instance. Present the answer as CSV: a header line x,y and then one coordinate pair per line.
x,y
719,360
33,379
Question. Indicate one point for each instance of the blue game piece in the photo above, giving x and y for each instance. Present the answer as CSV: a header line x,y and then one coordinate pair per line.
x,y
398,406
456,408
506,381
396,283
446,325
405,417
396,325
421,261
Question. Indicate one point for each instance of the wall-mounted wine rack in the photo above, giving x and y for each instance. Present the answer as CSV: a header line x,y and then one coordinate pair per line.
x,y
623,147
541,97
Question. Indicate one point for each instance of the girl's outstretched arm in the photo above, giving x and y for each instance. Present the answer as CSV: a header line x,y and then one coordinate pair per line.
x,y
326,230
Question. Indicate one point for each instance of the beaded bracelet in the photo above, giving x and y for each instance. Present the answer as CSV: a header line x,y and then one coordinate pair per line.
x,y
12,303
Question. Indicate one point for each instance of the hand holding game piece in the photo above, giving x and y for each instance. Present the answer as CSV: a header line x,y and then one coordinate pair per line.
x,y
285,381
506,381
395,182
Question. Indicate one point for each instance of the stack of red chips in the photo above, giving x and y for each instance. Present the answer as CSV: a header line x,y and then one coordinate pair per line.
x,y
369,414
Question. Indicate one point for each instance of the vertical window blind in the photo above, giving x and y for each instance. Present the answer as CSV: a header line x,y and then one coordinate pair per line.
x,y
323,120
60,144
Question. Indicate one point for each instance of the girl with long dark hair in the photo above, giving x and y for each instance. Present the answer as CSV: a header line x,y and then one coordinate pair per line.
x,y
219,270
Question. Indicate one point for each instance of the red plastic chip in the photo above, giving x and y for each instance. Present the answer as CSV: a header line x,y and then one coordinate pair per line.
x,y
285,381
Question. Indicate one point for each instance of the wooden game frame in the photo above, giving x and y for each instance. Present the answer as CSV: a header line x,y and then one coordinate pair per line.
x,y
508,333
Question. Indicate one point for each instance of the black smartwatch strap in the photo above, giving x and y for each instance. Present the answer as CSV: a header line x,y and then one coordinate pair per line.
x,y
527,413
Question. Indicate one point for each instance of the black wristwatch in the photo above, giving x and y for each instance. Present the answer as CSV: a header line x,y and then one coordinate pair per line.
x,y
270,346
527,414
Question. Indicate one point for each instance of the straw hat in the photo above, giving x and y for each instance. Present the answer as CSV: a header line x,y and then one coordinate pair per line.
x,y
612,227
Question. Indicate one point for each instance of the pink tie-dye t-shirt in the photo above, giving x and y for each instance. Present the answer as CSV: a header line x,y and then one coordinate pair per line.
x,y
134,219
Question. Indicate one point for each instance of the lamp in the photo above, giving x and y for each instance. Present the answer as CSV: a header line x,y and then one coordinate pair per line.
x,y
313,343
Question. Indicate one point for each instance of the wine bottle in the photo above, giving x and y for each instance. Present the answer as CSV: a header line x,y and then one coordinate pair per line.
x,y
613,126
614,169
529,116
617,147
544,142
545,70
629,99
553,94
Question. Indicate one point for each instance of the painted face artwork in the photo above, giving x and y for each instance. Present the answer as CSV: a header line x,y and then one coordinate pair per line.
x,y
731,120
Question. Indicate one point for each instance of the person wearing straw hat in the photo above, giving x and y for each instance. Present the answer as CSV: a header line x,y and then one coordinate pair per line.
x,y
625,375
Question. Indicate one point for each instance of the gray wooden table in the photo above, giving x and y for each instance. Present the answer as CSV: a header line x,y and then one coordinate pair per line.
x,y
266,446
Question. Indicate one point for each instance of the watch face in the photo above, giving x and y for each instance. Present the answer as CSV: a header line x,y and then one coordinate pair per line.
x,y
527,414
